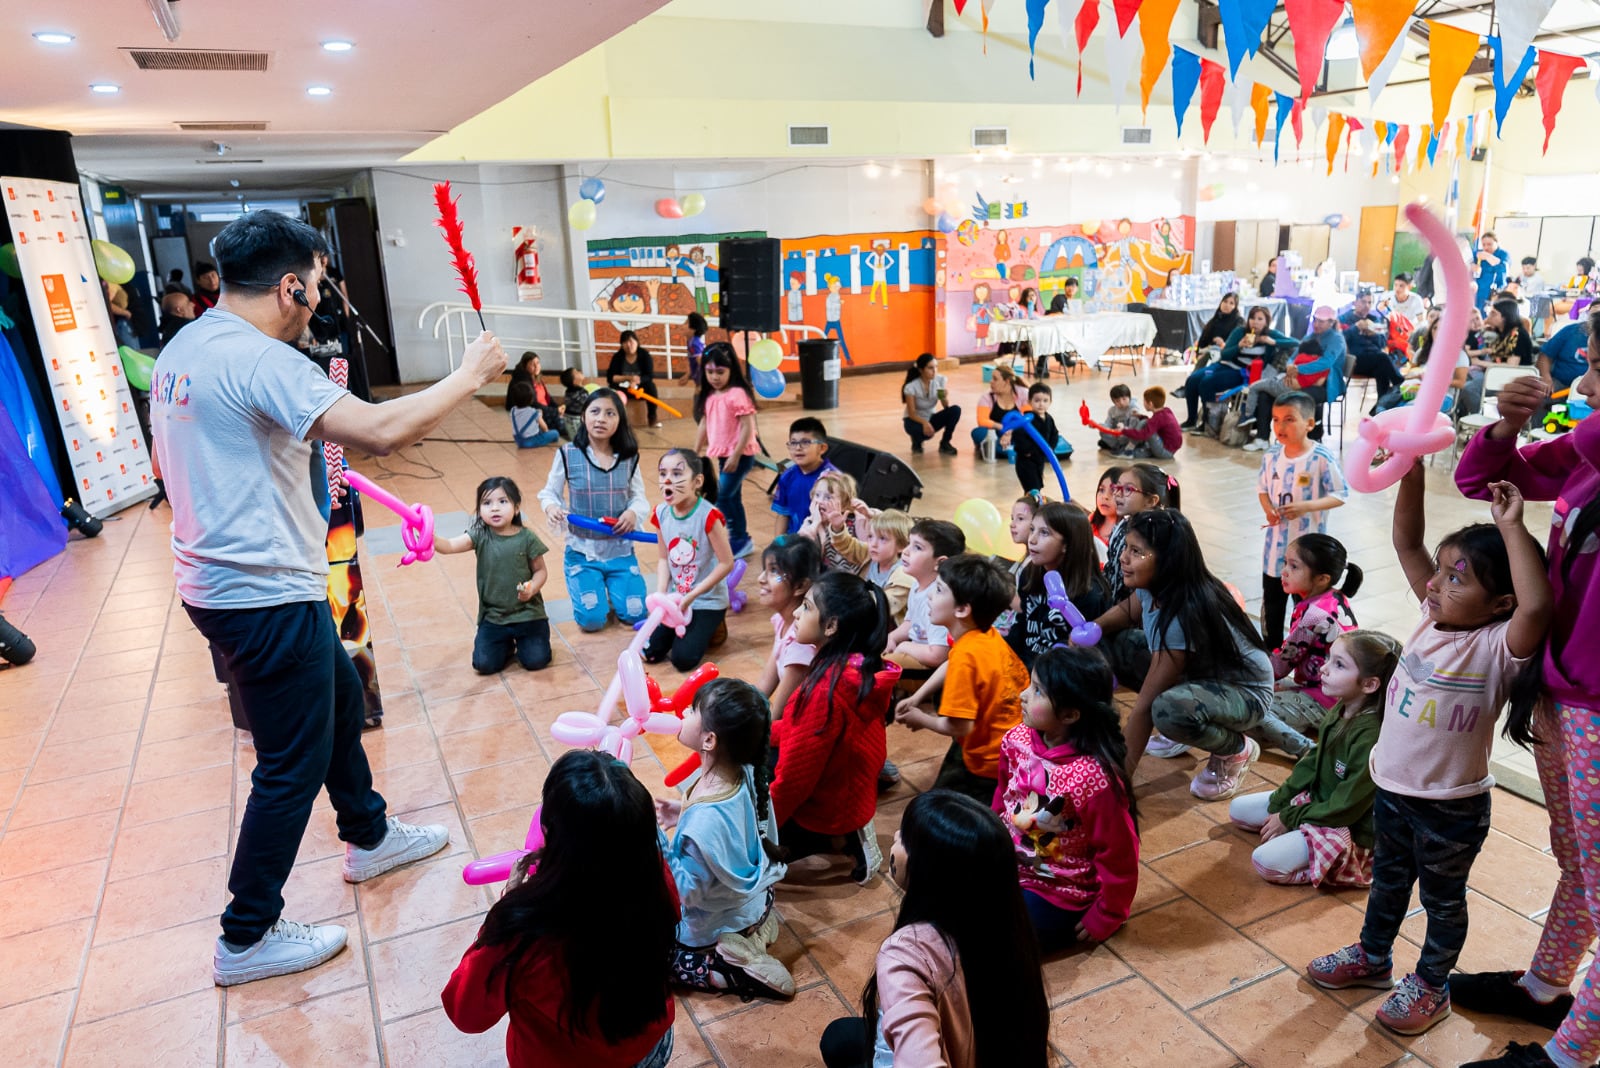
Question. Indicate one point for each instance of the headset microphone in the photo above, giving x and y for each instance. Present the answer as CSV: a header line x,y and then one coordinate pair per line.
x,y
323,327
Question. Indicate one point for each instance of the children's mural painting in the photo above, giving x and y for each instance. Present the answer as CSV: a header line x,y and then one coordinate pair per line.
x,y
886,297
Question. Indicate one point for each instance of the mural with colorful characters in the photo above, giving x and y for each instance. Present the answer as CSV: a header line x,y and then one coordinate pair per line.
x,y
659,275
992,262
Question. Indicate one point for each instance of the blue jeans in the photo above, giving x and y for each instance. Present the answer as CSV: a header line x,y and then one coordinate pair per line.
x,y
598,586
492,648
730,498
306,704
1206,383
1056,927
534,441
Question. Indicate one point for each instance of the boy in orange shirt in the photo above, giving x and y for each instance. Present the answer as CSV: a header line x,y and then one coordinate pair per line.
x,y
982,681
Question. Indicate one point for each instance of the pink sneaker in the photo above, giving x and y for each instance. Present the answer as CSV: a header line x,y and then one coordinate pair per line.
x,y
1221,776
1413,1007
1349,967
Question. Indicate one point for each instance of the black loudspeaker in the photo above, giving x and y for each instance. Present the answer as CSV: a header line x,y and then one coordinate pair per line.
x,y
882,478
747,272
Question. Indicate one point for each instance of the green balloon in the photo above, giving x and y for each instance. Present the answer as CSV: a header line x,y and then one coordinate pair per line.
x,y
8,261
137,366
112,263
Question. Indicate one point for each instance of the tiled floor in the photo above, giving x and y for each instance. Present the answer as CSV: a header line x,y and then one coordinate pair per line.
x,y
121,782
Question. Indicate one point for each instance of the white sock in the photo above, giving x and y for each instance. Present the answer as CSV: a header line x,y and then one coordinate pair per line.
x,y
1539,990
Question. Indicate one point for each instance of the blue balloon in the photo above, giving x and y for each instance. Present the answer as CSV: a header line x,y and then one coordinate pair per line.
x,y
769,384
592,189
945,222
595,526
1015,421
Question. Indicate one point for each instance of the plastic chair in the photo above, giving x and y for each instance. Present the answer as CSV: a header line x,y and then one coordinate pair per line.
x,y
1494,380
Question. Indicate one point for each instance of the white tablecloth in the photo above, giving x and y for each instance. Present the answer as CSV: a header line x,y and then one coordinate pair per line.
x,y
1090,336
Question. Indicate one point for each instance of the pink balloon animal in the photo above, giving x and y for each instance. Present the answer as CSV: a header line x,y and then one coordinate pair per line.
x,y
588,730
1420,428
497,869
416,531
1084,632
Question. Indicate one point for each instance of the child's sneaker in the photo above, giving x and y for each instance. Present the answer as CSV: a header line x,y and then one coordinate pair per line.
x,y
1349,967
769,930
287,947
1162,746
1221,776
1414,1007
764,975
402,843
1502,994
869,856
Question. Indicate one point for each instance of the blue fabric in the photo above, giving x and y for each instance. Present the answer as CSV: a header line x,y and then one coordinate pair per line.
x,y
1242,24
1568,352
1331,361
598,586
722,872
15,398
32,531
730,499
1505,88
1285,108
1491,276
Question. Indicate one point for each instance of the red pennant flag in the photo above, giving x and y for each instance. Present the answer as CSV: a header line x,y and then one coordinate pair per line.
x,y
1555,71
1126,9
961,6
1083,26
1401,140
1296,118
1352,125
1311,22
1213,78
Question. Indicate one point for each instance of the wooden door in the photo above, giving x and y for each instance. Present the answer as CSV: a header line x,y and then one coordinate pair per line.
x,y
1223,244
1375,245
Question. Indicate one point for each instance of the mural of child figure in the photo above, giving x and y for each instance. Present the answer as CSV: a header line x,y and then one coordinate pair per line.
x,y
1002,254
697,268
833,310
797,304
982,313
879,261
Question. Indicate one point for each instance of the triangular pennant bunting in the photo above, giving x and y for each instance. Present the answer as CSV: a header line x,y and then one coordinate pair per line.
x,y
1379,23
1335,131
1311,22
1260,98
1402,138
1242,24
1126,9
1083,26
1286,104
1433,147
1424,139
1213,79
1555,71
1120,51
1519,22
1238,101
1155,23
1296,116
1378,80
1450,52
1185,78
1035,9
1505,88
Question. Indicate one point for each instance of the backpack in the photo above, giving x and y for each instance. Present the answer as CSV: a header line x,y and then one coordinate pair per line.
x,y
1222,420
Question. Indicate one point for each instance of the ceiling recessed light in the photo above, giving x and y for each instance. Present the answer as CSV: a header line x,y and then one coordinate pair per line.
x,y
337,46
319,90
53,37
105,87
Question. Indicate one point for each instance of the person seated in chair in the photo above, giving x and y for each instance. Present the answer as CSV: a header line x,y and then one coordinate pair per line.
x,y
1366,336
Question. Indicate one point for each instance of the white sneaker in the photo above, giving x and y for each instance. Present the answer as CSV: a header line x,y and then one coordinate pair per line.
x,y
1164,747
402,844
751,958
769,930
868,837
287,947
1257,445
1221,776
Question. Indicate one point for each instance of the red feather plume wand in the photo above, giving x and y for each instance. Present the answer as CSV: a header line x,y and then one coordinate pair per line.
x,y
450,222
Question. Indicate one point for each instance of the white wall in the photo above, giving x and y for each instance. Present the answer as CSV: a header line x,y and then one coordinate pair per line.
x,y
418,272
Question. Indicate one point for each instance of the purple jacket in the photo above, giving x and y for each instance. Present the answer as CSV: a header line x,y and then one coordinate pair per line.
x,y
1565,470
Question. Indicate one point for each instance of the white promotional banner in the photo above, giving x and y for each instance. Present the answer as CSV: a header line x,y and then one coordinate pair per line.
x,y
110,458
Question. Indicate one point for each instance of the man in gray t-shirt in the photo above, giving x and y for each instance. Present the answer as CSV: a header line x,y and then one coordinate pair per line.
x,y
235,413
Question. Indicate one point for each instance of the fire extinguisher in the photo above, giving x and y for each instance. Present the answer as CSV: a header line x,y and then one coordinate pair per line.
x,y
528,263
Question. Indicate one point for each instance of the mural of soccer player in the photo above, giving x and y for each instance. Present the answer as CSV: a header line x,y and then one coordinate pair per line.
x,y
879,261
834,311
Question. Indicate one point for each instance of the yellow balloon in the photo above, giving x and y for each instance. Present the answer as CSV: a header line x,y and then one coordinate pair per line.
x,y
766,355
581,215
112,263
981,522
692,204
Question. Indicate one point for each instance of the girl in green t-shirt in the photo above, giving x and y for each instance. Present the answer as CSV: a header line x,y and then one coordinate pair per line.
x,y
511,574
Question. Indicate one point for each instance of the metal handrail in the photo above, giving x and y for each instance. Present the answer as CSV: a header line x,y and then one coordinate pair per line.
x,y
456,320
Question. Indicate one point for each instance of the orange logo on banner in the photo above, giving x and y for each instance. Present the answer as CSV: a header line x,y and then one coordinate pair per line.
x,y
85,483
60,301
11,192
22,239
50,195
61,237
36,216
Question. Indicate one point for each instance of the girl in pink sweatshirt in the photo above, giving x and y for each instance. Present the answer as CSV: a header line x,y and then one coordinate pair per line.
x,y
1565,470
961,915
1066,798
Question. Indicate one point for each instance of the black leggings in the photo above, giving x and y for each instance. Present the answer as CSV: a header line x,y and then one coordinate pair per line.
x,y
847,1043
685,652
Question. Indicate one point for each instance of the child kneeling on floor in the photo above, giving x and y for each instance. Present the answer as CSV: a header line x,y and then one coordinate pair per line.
x,y
830,742
724,856
1067,800
1316,827
1486,607
695,558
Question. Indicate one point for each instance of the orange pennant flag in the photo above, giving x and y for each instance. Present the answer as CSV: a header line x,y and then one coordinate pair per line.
x,y
1450,52
1380,129
1423,137
1378,23
1461,139
1260,97
1155,22
1335,131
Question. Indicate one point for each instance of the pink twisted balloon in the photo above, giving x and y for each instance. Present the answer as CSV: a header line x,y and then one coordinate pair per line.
x,y
497,868
416,531
1420,428
589,730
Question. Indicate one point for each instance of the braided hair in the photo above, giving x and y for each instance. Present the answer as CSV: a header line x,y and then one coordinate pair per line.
x,y
736,712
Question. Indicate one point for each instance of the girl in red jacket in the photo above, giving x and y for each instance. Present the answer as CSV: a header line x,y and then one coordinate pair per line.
x,y
579,952
1066,798
830,741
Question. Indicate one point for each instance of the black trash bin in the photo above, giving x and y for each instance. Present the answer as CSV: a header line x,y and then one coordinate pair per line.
x,y
819,374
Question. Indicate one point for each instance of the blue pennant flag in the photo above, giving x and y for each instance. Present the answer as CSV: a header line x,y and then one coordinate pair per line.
x,y
1035,24
1185,78
1391,133
1506,88
1243,22
1285,108
1433,146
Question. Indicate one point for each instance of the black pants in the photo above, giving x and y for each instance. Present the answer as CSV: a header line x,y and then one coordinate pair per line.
x,y
1274,603
1030,468
953,775
944,419
685,652
305,703
1431,844
1056,927
847,1043
1381,369
799,842
491,650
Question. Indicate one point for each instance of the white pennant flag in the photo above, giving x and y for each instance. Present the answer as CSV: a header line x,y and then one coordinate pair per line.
x,y
1239,100
1121,52
1319,115
1369,142
1380,76
1519,23
1066,20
